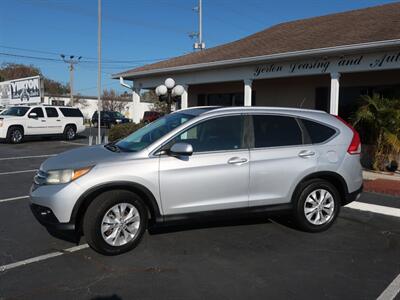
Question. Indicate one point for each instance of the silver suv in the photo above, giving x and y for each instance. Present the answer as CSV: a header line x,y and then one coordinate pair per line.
x,y
202,163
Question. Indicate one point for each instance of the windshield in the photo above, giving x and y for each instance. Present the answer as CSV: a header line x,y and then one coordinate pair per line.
x,y
147,135
15,111
117,114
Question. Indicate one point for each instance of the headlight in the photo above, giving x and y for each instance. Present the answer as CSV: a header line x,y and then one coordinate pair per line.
x,y
65,176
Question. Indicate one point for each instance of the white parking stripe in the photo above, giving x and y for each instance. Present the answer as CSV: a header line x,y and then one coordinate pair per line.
x,y
13,199
25,157
392,290
379,209
41,257
18,172
74,143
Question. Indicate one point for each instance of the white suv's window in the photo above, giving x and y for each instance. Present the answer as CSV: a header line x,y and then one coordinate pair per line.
x,y
38,111
51,112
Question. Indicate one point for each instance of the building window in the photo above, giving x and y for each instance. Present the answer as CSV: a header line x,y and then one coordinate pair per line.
x,y
223,99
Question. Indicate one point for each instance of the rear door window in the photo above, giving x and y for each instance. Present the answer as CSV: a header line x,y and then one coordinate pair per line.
x,y
51,112
318,133
276,131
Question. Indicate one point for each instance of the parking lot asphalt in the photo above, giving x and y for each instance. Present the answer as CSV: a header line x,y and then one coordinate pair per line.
x,y
358,258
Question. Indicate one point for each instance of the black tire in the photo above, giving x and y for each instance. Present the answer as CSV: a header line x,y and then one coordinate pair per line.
x,y
15,135
69,133
95,213
299,205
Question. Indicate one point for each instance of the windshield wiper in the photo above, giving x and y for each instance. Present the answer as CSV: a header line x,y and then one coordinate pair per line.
x,y
112,147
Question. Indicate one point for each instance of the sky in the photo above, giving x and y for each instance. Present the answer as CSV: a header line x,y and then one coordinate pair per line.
x,y
135,32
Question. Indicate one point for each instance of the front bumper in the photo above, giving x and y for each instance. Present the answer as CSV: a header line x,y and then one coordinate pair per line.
x,y
46,217
59,199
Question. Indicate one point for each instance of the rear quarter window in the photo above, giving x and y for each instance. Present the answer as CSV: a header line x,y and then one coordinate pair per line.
x,y
318,132
71,112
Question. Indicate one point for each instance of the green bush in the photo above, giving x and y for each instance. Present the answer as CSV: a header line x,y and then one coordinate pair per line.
x,y
122,130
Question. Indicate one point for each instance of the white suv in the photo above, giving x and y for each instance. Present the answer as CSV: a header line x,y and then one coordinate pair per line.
x,y
19,121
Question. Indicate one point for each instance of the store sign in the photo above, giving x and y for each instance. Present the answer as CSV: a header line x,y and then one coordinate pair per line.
x,y
20,91
329,65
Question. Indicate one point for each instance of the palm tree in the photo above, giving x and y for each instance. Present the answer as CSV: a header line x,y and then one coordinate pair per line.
x,y
379,118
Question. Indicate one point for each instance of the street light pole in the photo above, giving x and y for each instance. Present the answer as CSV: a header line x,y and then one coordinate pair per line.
x,y
99,72
71,60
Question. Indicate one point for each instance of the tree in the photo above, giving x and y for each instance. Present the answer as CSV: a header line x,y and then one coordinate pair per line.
x,y
10,71
379,119
112,101
159,106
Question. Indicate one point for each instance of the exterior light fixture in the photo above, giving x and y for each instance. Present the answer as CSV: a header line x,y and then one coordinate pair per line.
x,y
169,92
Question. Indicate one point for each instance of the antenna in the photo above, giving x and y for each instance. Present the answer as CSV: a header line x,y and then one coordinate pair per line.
x,y
199,44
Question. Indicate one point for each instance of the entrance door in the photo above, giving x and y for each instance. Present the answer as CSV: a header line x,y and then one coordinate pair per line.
x,y
215,176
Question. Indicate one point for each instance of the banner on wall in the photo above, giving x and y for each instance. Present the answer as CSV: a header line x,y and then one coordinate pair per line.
x,y
21,91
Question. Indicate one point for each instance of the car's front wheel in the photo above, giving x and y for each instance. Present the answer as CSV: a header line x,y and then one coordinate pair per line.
x,y
115,222
317,206
15,135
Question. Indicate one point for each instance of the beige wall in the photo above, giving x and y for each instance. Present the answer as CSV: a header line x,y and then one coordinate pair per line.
x,y
294,91
289,92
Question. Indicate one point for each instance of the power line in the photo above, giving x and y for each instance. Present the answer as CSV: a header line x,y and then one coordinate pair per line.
x,y
88,59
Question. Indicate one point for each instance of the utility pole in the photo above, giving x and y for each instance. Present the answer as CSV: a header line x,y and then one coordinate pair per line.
x,y
71,60
199,44
99,72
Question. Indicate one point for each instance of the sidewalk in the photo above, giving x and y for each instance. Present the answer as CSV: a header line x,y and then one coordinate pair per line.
x,y
382,183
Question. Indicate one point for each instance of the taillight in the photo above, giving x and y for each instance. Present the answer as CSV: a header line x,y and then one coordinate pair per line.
x,y
355,145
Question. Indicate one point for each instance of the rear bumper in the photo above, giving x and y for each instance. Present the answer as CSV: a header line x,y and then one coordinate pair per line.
x,y
46,217
353,196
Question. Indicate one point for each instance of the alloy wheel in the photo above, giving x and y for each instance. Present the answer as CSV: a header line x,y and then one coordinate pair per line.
x,y
120,224
70,133
319,207
16,136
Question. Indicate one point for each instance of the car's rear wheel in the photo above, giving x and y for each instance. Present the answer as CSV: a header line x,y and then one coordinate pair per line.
x,y
115,222
69,133
317,206
15,135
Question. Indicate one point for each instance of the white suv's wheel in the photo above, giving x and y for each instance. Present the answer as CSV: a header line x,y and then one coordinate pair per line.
x,y
69,133
15,135
115,222
317,206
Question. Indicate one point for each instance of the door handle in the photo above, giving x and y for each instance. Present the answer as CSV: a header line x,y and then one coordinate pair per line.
x,y
237,161
58,120
306,153
43,120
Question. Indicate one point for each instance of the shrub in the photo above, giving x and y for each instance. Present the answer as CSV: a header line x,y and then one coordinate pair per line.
x,y
122,130
379,118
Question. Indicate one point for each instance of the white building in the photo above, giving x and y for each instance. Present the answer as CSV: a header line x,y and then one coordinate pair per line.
x,y
88,105
323,63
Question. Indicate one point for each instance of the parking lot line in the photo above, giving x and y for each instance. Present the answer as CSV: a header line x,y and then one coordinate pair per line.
x,y
42,257
74,143
18,172
13,199
392,290
26,157
379,209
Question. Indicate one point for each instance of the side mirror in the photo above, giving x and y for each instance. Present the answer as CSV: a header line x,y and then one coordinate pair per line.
x,y
32,115
178,149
